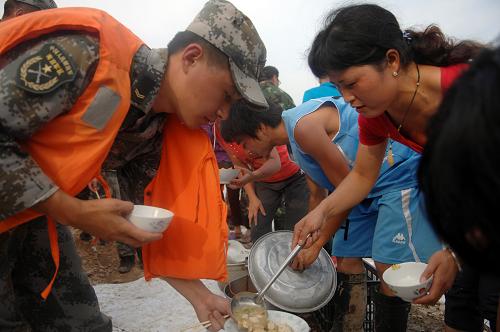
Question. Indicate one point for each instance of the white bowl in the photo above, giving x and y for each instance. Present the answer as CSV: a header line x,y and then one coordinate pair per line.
x,y
150,218
236,252
404,280
226,175
295,322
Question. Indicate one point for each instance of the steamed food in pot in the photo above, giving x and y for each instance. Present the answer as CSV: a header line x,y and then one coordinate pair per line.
x,y
254,319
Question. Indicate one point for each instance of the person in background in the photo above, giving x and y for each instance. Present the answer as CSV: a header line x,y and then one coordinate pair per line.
x,y
233,195
325,89
269,181
460,181
269,83
14,8
75,101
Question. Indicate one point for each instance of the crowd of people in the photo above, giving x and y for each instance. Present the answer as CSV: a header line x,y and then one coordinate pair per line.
x,y
391,157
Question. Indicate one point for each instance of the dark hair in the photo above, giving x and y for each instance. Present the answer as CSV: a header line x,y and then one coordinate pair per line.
x,y
183,38
459,171
268,72
245,120
362,34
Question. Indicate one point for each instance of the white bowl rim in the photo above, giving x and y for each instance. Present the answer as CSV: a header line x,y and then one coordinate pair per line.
x,y
141,209
390,272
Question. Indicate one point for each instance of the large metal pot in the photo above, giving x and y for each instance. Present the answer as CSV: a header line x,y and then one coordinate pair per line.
x,y
297,292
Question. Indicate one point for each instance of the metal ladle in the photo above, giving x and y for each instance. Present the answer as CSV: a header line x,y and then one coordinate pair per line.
x,y
257,299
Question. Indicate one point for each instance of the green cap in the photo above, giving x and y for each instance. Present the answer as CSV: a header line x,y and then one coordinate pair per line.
x,y
225,27
40,4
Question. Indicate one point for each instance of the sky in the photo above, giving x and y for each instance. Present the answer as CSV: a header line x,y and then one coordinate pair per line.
x,y
288,27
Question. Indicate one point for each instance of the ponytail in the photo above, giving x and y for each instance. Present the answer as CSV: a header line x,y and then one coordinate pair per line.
x,y
432,47
362,34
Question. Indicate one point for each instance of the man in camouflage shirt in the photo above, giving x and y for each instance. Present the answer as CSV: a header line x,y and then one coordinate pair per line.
x,y
269,83
220,37
13,8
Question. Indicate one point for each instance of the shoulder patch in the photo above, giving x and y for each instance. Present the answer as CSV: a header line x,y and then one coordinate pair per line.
x,y
46,70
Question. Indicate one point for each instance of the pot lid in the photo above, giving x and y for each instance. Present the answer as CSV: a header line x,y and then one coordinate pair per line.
x,y
293,291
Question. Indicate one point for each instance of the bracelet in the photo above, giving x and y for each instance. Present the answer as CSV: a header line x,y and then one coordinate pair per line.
x,y
455,258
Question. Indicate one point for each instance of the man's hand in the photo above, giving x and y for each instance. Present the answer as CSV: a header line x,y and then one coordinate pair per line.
x,y
213,308
104,218
254,206
245,176
442,265
305,258
93,185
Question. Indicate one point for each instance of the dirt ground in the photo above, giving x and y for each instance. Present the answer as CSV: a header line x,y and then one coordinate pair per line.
x,y
100,261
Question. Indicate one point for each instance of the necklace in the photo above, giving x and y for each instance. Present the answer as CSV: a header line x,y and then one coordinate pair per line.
x,y
390,156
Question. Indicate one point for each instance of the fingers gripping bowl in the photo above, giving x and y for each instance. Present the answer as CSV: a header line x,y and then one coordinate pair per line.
x,y
404,280
150,218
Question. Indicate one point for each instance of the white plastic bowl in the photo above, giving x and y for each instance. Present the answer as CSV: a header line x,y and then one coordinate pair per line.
x,y
404,280
226,175
150,218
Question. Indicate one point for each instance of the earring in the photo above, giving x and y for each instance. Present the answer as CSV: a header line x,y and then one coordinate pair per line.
x,y
395,73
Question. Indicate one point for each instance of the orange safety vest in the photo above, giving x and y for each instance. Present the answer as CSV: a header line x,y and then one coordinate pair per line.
x,y
194,245
69,150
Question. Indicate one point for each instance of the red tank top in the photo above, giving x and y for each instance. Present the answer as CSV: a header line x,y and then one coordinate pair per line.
x,y
373,131
288,167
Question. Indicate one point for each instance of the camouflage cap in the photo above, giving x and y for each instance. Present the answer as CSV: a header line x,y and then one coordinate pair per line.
x,y
224,26
40,4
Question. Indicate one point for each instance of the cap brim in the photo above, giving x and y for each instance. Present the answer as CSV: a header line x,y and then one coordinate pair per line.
x,y
247,86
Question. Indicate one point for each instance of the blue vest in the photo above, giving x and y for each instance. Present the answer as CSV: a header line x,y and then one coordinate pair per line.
x,y
325,89
402,175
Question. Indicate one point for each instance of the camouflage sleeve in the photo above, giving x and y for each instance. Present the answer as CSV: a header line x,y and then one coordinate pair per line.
x,y
39,80
287,101
277,96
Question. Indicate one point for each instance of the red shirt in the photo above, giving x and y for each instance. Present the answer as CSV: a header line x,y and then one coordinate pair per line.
x,y
373,131
288,167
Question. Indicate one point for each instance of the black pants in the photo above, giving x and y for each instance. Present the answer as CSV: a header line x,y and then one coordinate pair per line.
x,y
295,193
472,298
26,268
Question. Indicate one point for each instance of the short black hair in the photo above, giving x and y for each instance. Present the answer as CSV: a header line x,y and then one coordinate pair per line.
x,y
184,38
245,120
268,72
459,172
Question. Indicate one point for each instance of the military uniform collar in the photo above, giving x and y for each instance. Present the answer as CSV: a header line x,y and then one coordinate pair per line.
x,y
147,74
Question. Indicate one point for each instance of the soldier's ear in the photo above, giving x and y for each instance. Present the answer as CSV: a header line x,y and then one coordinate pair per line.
x,y
19,12
191,54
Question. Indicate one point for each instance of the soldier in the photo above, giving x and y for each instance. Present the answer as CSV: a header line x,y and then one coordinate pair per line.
x,y
77,90
269,82
13,8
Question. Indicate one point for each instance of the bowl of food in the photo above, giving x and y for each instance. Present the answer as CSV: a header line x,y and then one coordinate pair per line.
x,y
150,218
404,280
276,321
226,175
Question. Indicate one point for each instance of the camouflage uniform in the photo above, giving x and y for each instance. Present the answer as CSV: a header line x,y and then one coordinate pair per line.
x,y
25,261
40,4
277,96
134,158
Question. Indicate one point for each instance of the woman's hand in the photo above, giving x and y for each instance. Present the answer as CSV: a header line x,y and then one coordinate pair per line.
x,y
443,267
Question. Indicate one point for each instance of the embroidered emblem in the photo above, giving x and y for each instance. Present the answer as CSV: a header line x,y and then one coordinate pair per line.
x,y
46,70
